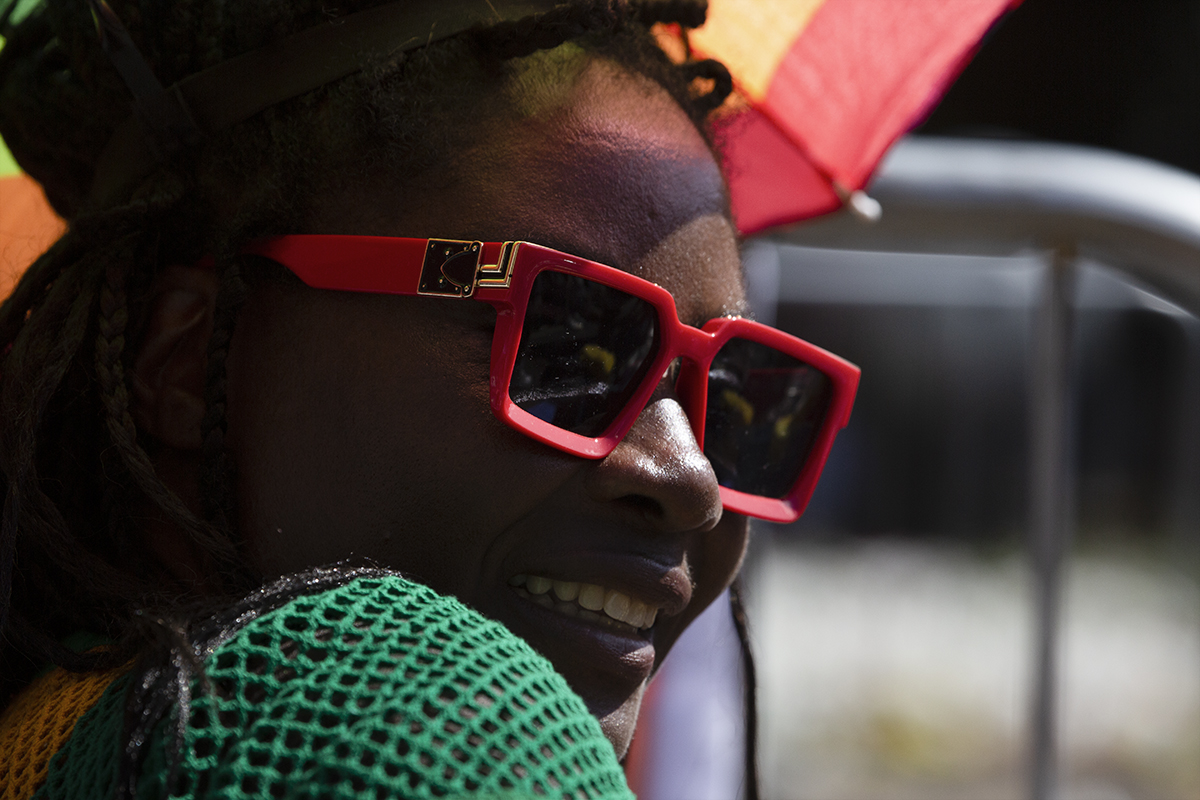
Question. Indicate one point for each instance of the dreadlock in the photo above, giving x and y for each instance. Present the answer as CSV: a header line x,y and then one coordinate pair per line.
x,y
737,609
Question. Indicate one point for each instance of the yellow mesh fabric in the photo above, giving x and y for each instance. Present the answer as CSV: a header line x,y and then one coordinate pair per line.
x,y
39,721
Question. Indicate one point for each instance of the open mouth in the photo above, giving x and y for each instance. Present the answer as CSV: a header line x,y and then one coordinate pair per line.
x,y
587,601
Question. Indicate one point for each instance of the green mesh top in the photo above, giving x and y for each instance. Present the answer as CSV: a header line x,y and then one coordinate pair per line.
x,y
380,688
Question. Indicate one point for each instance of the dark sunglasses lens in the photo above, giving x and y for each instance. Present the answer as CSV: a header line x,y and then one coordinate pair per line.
x,y
585,348
765,409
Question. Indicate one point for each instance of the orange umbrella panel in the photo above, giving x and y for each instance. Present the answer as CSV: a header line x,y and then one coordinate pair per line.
x,y
28,226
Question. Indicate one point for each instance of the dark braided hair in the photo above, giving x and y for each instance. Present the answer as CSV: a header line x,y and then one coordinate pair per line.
x,y
737,608
217,476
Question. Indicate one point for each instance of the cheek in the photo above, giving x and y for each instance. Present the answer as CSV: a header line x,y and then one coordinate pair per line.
x,y
714,562
362,430
719,558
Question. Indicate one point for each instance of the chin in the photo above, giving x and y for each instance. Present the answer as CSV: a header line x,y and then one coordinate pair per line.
x,y
607,657
619,724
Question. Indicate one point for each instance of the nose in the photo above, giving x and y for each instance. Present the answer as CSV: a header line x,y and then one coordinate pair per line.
x,y
659,470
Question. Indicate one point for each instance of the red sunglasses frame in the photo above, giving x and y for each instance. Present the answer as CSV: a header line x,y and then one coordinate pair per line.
x,y
502,274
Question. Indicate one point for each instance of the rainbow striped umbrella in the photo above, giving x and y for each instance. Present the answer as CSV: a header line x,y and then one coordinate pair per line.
x,y
825,87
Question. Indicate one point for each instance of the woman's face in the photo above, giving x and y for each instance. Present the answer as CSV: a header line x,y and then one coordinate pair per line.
x,y
361,428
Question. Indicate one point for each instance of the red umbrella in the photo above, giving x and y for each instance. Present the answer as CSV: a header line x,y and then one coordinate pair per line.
x,y
825,87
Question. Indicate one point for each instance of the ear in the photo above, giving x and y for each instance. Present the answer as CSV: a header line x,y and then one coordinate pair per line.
x,y
168,374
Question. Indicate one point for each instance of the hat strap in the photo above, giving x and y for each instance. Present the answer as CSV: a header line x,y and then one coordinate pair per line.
x,y
239,88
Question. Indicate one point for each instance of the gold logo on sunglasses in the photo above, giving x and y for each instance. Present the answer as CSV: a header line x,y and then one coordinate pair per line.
x,y
452,268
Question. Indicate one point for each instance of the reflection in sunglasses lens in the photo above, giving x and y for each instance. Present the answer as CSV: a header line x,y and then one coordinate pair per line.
x,y
585,348
764,411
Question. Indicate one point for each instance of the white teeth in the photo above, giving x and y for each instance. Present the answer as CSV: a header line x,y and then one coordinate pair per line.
x,y
591,597
566,590
585,599
616,605
632,612
647,617
636,614
651,616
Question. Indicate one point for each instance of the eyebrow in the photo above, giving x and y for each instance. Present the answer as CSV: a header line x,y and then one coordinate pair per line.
x,y
741,309
551,239
546,239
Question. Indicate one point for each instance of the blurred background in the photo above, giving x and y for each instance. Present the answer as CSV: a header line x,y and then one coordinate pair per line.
x,y
898,624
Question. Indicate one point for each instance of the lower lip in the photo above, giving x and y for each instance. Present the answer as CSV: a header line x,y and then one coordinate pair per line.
x,y
579,648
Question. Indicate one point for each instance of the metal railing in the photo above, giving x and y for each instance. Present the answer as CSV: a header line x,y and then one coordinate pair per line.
x,y
981,197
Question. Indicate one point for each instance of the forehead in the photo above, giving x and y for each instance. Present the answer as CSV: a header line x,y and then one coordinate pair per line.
x,y
604,165
615,172
609,172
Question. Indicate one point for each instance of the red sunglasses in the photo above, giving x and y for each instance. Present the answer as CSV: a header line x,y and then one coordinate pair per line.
x,y
579,348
